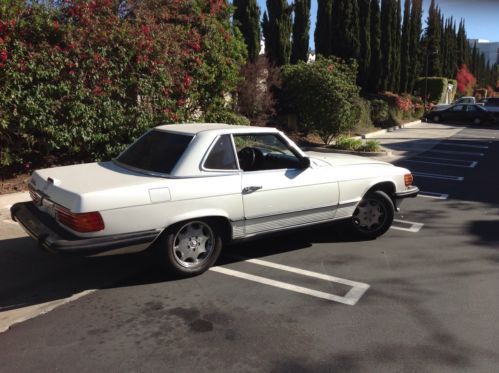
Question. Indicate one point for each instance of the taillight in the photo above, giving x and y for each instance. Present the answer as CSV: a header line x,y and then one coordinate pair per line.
x,y
408,179
80,222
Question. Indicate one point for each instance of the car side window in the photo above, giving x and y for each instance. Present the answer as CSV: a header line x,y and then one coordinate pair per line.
x,y
222,155
471,108
258,152
458,108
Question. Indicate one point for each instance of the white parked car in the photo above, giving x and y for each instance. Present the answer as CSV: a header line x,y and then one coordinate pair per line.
x,y
188,189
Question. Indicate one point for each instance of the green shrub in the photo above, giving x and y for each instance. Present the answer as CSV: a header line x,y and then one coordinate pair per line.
x,y
452,95
379,112
362,110
436,89
228,117
78,82
347,143
370,146
321,95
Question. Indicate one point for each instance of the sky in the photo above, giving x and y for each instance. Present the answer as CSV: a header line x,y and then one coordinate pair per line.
x,y
481,16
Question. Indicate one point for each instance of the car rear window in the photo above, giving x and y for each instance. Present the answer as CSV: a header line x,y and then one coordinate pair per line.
x,y
156,151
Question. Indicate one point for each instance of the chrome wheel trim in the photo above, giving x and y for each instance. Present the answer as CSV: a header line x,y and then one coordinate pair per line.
x,y
477,121
436,118
193,244
369,215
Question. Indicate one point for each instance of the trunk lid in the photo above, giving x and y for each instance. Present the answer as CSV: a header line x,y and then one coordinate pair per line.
x,y
94,186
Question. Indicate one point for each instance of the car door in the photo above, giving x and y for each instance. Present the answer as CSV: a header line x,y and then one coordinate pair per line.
x,y
455,113
279,191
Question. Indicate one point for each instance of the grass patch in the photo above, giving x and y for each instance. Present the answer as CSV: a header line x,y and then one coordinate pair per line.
x,y
348,143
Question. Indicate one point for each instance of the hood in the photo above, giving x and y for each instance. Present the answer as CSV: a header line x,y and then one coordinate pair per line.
x,y
339,159
77,187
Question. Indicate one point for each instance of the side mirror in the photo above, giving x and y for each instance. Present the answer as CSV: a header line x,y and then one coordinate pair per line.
x,y
304,163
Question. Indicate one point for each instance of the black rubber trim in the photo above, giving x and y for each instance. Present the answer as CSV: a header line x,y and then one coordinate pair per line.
x,y
52,237
409,193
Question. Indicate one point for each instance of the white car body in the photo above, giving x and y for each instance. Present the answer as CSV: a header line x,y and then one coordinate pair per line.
x,y
249,203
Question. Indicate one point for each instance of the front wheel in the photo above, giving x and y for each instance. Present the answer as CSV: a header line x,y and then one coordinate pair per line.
x,y
477,121
189,248
436,118
373,215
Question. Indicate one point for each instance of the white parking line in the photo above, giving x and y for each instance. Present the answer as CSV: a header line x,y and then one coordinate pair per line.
x,y
351,298
471,165
15,316
433,150
414,227
433,195
443,159
464,145
437,176
454,152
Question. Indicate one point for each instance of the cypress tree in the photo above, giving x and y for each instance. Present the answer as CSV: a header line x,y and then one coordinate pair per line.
x,y
365,42
375,73
415,43
345,29
247,19
432,36
387,42
395,73
323,28
405,47
276,26
301,29
462,45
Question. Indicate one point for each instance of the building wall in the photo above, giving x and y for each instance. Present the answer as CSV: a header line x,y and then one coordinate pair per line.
x,y
490,49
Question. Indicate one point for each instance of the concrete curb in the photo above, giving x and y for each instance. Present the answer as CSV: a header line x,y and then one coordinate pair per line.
x,y
390,129
365,136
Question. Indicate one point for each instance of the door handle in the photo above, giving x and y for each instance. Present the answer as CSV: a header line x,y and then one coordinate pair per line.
x,y
251,189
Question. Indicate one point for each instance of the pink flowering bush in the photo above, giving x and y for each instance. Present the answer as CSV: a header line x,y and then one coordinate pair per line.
x,y
80,81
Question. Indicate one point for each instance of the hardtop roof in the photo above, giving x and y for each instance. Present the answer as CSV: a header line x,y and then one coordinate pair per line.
x,y
195,128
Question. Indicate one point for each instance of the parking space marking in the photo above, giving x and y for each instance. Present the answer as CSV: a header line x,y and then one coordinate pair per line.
x,y
350,298
437,176
471,165
18,315
9,221
413,227
449,143
433,195
433,150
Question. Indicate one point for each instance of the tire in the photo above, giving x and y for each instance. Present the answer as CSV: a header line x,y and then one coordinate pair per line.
x,y
477,121
436,118
189,248
373,215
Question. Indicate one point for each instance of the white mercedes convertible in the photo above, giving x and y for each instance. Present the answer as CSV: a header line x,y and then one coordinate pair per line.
x,y
188,189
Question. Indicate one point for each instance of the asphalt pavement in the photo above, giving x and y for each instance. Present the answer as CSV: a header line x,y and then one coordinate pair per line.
x,y
421,298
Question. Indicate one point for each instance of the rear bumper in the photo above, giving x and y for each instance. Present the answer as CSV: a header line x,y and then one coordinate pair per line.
x,y
52,237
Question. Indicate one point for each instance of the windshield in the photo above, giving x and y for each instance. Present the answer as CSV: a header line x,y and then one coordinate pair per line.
x,y
156,151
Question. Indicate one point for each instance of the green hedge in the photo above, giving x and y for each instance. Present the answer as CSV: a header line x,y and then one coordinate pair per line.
x,y
436,89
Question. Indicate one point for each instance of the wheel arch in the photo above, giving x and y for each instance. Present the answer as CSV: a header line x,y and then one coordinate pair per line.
x,y
221,221
388,187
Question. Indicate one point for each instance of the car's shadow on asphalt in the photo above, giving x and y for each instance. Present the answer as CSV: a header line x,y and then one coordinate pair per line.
x,y
29,276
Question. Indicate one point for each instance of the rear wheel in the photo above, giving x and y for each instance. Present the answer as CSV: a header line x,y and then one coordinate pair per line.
x,y
477,121
190,248
373,215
